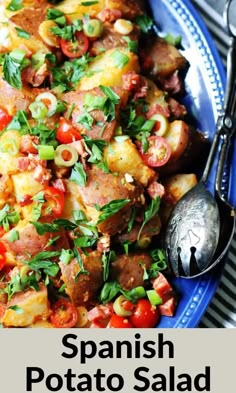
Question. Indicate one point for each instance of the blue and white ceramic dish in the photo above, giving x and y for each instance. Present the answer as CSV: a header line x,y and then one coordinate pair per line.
x,y
205,92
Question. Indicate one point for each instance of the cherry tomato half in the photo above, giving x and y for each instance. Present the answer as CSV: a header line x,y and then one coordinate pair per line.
x,y
2,255
158,152
66,133
5,118
75,48
119,322
55,200
64,314
145,315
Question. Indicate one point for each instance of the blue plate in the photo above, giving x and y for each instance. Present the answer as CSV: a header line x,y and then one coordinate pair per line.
x,y
204,99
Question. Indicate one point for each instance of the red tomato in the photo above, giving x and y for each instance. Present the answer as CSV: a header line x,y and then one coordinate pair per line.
x,y
158,153
75,48
66,133
145,315
55,200
5,118
2,255
64,314
119,322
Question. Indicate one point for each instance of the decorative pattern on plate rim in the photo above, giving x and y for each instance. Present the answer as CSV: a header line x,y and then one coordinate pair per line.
x,y
218,94
194,303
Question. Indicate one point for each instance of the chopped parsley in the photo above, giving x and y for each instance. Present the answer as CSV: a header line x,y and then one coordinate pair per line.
x,y
132,45
13,235
111,208
67,32
144,22
107,258
78,174
12,66
8,216
150,212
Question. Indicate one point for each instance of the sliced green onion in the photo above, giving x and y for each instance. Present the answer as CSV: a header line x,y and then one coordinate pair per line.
x,y
120,59
136,293
66,256
118,307
66,155
154,298
50,101
9,146
46,152
93,28
38,110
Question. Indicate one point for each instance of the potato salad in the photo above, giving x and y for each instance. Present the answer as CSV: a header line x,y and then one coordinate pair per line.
x,y
96,147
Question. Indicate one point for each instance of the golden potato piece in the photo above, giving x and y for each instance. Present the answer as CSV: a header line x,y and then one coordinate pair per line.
x,y
107,69
123,157
32,305
24,184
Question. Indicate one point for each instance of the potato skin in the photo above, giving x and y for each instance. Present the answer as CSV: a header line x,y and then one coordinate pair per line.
x,y
164,58
128,270
83,289
102,188
104,132
188,148
30,241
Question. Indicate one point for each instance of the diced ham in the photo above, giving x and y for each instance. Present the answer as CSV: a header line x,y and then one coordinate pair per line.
x,y
42,175
35,77
155,109
131,81
100,312
168,308
162,287
30,162
27,144
59,184
155,190
103,243
109,15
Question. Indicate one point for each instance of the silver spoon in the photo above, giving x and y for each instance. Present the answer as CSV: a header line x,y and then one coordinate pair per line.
x,y
201,226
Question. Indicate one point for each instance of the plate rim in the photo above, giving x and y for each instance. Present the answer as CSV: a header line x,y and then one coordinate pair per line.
x,y
205,286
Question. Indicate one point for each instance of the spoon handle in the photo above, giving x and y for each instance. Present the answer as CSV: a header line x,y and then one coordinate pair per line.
x,y
224,165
